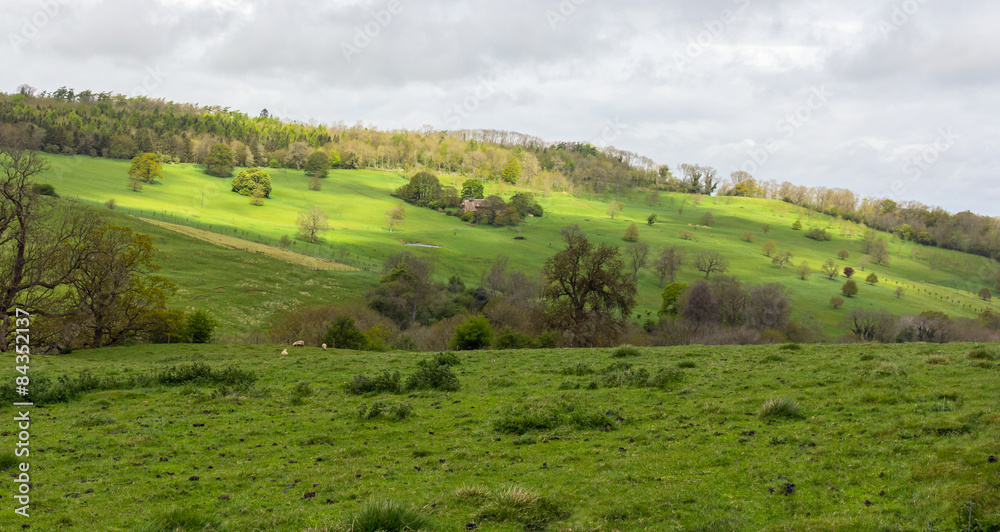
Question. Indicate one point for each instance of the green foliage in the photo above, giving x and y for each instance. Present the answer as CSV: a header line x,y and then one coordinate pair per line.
x,y
44,189
631,233
431,375
248,181
872,279
384,382
780,408
511,171
472,188
670,296
220,161
522,506
816,233
146,168
423,190
707,219
344,334
8,461
318,164
475,333
525,204
797,225
836,302
651,219
387,516
381,409
850,288
511,339
529,417
200,327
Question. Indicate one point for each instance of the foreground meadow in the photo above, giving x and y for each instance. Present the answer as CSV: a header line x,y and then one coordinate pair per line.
x,y
854,437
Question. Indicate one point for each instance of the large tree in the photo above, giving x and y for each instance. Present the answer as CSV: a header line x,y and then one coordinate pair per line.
x,y
406,289
42,244
318,164
668,262
248,181
219,161
311,223
710,262
115,294
637,254
146,168
589,292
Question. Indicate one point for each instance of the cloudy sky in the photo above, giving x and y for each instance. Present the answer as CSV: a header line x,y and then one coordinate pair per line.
x,y
894,99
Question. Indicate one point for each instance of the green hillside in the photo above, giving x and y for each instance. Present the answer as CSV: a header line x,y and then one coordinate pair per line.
x,y
885,438
356,201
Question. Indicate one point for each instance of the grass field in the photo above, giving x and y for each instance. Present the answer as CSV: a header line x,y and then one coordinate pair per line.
x,y
356,202
869,438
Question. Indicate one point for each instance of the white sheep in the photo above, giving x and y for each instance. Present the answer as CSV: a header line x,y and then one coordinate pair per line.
x,y
324,347
284,351
300,343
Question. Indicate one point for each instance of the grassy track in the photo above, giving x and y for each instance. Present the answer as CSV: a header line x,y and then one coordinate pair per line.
x,y
888,438
356,202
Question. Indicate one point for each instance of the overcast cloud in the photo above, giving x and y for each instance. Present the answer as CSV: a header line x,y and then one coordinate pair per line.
x,y
894,99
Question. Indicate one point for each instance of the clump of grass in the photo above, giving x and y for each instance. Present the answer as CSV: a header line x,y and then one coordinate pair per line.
x,y
431,375
300,392
388,516
625,351
665,377
521,505
687,364
183,519
477,494
383,382
7,461
888,369
780,407
525,418
774,357
985,364
377,409
865,357
446,359
569,385
937,360
578,370
982,353
790,347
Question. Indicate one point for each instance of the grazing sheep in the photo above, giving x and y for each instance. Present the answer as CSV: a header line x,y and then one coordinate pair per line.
x,y
324,347
300,343
284,351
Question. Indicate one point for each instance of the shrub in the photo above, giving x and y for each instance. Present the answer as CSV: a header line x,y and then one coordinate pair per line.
x,y
431,375
631,233
578,370
446,359
344,334
780,407
382,382
797,225
44,189
387,516
511,339
8,461
816,233
377,409
686,364
475,333
200,327
625,351
249,180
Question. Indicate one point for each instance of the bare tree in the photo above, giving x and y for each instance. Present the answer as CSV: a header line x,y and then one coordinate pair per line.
x,y
637,254
830,269
396,216
668,263
781,259
41,246
311,223
880,252
710,262
614,208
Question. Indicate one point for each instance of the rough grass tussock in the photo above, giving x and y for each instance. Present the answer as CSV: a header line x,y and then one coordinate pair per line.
x,y
780,408
384,382
187,519
520,505
388,516
625,351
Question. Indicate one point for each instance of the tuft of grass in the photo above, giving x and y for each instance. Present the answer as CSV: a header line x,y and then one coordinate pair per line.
x,y
569,385
383,382
388,516
790,347
524,418
937,360
183,520
377,409
446,358
687,364
8,461
982,353
625,351
578,370
888,369
780,407
474,493
521,505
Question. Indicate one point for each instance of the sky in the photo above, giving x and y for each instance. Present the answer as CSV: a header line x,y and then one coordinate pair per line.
x,y
891,99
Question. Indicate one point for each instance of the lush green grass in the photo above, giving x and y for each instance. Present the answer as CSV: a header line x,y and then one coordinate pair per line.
x,y
356,202
883,438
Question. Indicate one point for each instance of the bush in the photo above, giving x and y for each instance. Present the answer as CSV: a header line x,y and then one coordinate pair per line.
x,y
387,516
446,359
511,339
248,180
816,233
200,327
625,351
431,375
44,189
395,411
475,333
344,334
383,382
780,407
797,225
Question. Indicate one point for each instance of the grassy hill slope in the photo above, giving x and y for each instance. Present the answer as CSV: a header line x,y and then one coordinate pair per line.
x,y
356,202
887,438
